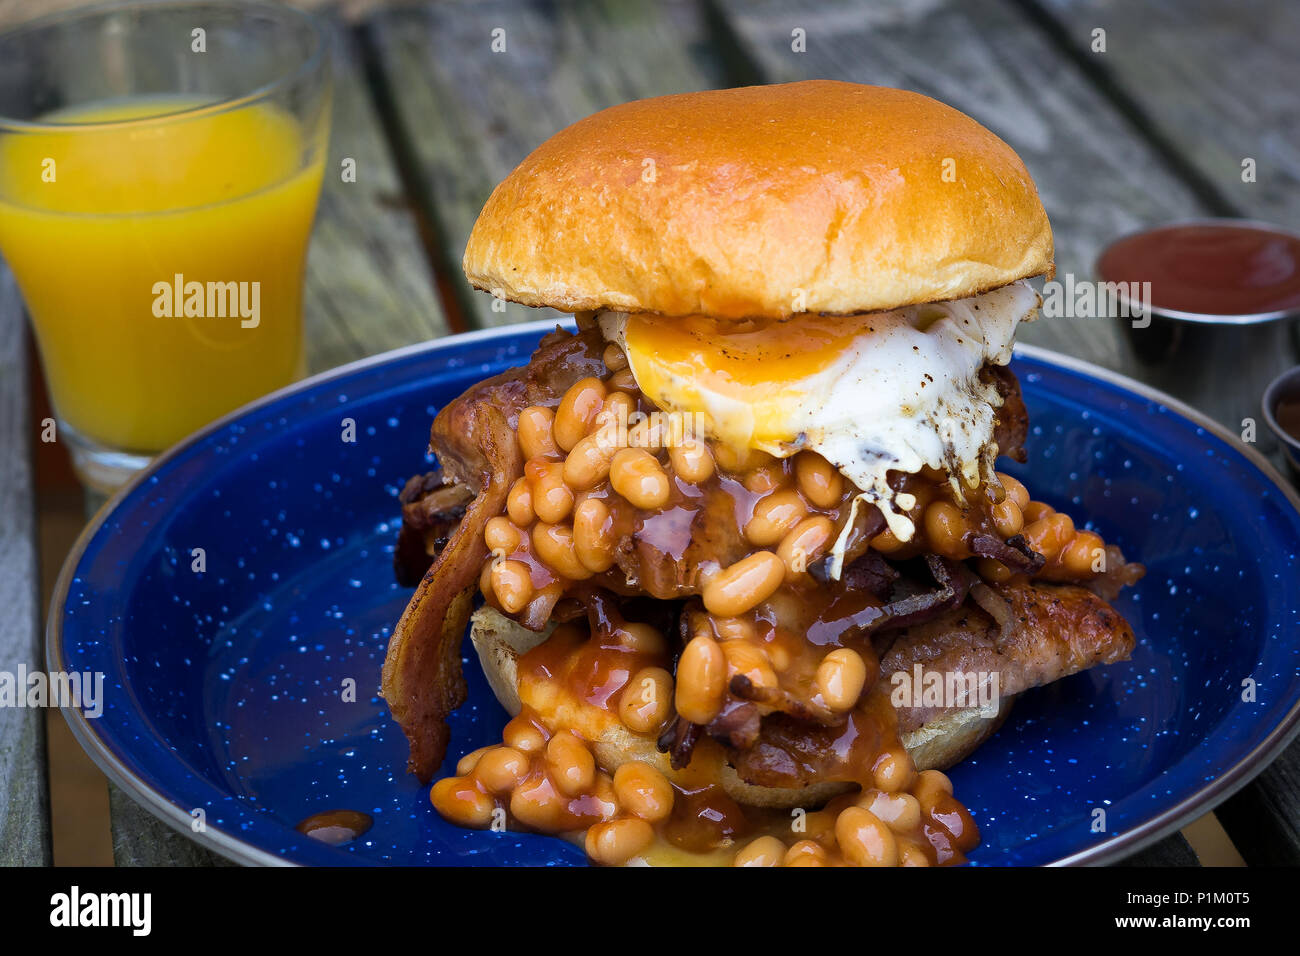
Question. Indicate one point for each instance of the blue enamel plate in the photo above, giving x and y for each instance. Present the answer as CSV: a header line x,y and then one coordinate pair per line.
x,y
226,707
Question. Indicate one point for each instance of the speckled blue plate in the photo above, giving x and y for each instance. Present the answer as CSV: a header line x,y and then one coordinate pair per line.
x,y
225,689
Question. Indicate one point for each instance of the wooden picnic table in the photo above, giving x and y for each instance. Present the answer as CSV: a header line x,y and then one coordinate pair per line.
x,y
1153,129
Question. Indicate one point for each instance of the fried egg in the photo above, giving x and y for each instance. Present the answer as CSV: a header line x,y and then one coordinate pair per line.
x,y
871,393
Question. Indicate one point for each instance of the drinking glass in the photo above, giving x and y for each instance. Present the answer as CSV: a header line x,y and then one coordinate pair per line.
x,y
160,165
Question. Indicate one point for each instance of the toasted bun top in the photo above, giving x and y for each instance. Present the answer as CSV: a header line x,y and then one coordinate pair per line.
x,y
764,201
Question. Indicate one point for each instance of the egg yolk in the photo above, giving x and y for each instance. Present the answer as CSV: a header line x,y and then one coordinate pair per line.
x,y
746,375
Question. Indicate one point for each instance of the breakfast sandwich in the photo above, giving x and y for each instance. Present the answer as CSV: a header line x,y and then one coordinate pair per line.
x,y
737,554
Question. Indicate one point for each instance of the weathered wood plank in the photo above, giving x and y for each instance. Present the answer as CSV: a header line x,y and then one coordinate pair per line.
x,y
369,287
1173,850
141,839
24,794
369,282
1215,81
469,115
1263,818
1097,178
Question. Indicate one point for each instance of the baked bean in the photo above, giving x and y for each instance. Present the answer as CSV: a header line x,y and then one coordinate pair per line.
x,y
602,798
840,678
945,529
614,358
819,825
995,571
501,769
1016,491
692,461
894,770
501,536
751,661
805,544
930,786
805,850
750,581
774,517
552,498
732,628
911,854
588,463
1049,535
1080,554
642,639
623,380
948,814
864,839
647,700
536,438
570,764
462,802
886,542
577,411
766,479
538,804
617,841
819,480
740,461
901,812
521,735
593,535
613,418
646,432
466,764
701,680
637,476
764,851
512,585
1036,511
519,503
1007,518
643,791
554,545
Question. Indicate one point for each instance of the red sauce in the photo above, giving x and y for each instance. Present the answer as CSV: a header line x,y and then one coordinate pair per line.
x,y
336,826
1223,269
1287,414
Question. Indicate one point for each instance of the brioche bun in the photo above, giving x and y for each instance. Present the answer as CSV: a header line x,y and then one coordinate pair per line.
x,y
500,641
765,201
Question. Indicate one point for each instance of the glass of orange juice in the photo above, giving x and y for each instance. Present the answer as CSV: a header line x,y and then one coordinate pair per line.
x,y
160,164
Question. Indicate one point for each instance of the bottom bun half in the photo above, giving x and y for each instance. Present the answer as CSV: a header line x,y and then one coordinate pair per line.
x,y
499,641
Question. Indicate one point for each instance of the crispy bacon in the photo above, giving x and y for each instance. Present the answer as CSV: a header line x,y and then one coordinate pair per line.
x,y
1014,552
679,741
474,439
431,509
953,581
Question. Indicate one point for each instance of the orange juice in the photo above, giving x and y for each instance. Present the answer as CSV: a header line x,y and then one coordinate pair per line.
x,y
161,260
